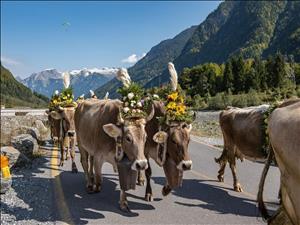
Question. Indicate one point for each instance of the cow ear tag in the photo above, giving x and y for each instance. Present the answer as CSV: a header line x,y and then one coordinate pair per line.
x,y
160,137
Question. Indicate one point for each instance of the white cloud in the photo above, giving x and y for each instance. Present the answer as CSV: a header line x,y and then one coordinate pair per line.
x,y
9,61
132,59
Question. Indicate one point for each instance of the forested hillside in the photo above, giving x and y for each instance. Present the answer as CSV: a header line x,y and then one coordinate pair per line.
x,y
15,94
153,63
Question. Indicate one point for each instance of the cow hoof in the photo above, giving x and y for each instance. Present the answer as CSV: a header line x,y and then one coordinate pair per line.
x,y
89,189
124,207
166,190
149,197
238,188
141,182
97,188
221,178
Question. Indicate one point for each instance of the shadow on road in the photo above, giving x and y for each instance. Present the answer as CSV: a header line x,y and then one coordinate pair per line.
x,y
214,198
84,207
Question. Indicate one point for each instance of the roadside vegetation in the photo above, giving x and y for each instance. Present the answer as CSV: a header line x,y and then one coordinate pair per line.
x,y
241,82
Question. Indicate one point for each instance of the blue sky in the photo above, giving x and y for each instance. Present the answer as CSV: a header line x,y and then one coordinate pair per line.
x,y
74,35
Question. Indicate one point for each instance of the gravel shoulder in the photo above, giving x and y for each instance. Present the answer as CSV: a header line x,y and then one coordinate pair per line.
x,y
206,128
30,199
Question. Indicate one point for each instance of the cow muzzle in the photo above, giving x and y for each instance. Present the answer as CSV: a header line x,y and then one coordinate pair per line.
x,y
139,164
185,165
71,133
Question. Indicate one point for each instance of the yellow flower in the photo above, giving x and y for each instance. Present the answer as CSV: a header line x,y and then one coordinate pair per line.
x,y
171,106
54,101
181,100
181,109
173,96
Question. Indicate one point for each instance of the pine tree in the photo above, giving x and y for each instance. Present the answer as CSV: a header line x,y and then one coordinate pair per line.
x,y
238,71
228,77
279,71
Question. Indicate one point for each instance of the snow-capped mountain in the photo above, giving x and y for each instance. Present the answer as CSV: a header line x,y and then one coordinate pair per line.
x,y
49,80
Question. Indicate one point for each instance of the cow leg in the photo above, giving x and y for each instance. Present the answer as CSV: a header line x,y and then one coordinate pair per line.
x,y
148,195
91,169
67,147
98,162
61,143
72,151
141,178
84,162
222,160
236,185
123,201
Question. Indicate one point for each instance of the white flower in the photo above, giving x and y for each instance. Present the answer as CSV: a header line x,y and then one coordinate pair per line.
x,y
125,110
126,104
155,96
133,111
56,92
138,111
139,104
130,95
124,98
132,104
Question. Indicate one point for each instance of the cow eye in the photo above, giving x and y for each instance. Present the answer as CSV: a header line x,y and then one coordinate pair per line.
x,y
128,139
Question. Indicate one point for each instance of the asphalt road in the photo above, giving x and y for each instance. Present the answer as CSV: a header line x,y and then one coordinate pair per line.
x,y
201,199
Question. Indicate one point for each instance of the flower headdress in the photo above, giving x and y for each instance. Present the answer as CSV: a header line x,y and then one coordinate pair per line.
x,y
135,104
174,100
65,98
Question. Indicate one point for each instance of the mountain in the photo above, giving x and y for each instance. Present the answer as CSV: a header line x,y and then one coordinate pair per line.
x,y
49,80
153,63
247,28
13,93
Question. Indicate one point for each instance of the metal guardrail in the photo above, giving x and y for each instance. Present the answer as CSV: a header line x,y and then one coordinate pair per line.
x,y
22,112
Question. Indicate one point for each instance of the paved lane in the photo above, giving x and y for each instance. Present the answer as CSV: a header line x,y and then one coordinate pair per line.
x,y
201,200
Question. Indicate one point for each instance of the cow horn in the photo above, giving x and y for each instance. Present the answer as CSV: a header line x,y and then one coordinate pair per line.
x,y
194,115
120,118
151,114
75,104
60,108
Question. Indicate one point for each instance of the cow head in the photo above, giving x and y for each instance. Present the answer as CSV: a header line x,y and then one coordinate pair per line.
x,y
66,114
130,136
174,143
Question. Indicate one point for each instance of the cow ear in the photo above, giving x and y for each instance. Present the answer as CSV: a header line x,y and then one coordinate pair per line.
x,y
189,128
160,137
112,130
55,115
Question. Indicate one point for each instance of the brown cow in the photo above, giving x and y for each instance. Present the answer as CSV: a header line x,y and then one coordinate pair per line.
x,y
103,134
63,125
243,137
284,133
168,147
54,129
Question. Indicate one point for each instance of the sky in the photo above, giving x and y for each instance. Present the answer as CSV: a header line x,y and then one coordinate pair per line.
x,y
74,35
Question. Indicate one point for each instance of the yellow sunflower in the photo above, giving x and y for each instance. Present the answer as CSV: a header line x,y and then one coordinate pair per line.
x,y
173,96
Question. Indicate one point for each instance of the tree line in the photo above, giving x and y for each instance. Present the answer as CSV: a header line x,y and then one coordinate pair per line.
x,y
238,76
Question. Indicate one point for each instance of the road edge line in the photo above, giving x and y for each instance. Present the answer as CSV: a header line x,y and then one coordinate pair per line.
x,y
194,138
59,197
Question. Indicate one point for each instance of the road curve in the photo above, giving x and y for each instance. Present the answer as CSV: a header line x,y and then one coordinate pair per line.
x,y
201,199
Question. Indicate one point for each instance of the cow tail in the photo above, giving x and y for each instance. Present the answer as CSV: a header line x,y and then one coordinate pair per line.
x,y
261,205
